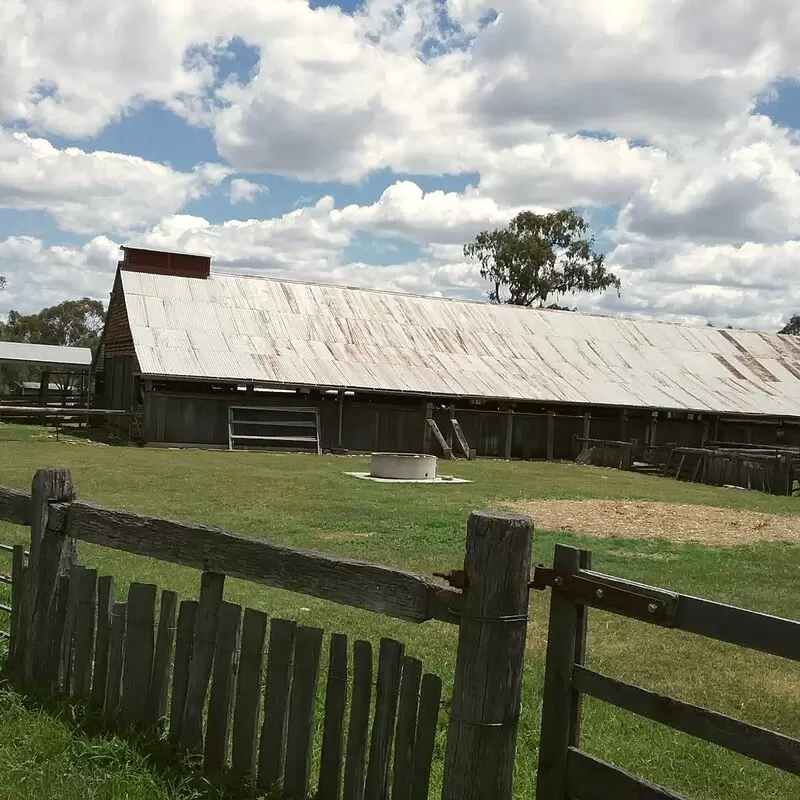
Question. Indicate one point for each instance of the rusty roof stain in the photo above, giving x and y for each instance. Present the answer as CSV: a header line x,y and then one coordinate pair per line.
x,y
291,334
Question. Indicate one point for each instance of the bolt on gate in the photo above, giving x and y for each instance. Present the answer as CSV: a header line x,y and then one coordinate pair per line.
x,y
566,771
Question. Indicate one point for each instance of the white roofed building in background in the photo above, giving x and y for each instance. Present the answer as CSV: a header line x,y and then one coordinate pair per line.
x,y
188,345
48,356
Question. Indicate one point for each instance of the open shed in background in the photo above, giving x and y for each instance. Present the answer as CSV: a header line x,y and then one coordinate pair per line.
x,y
45,375
230,360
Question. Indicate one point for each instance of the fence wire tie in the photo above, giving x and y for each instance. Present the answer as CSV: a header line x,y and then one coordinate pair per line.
x,y
479,723
507,620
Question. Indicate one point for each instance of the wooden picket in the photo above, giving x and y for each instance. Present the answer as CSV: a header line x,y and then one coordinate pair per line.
x,y
116,662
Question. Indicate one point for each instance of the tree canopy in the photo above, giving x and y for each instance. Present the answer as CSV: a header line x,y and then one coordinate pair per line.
x,y
73,323
540,255
2,283
792,326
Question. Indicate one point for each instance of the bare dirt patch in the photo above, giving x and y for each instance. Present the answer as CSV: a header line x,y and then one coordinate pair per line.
x,y
654,520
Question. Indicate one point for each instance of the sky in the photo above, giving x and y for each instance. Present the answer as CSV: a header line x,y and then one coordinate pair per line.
x,y
365,142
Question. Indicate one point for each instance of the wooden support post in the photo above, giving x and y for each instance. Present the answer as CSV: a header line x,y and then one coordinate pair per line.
x,y
587,425
623,425
566,645
705,434
431,424
653,429
340,429
487,687
462,440
452,412
44,386
509,433
51,555
551,435
426,433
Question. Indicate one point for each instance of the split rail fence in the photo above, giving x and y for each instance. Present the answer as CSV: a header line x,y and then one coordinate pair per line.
x,y
565,770
239,691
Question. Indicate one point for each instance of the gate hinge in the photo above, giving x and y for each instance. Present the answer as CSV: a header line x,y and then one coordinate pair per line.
x,y
657,607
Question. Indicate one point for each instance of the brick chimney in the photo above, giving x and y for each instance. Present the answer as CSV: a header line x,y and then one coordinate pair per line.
x,y
161,262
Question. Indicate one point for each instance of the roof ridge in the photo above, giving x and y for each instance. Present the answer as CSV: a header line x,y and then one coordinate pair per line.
x,y
469,300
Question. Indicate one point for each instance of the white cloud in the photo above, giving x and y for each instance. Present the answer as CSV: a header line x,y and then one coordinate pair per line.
x,y
748,286
244,191
308,243
711,203
753,285
741,186
94,192
561,171
639,68
40,275
406,211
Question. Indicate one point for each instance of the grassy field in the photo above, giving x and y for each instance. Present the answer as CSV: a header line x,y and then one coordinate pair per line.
x,y
308,501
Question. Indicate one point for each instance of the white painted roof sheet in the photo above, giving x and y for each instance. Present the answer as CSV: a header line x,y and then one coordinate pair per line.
x,y
239,328
46,355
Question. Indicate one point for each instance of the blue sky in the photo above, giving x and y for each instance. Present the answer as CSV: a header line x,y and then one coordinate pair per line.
x,y
310,140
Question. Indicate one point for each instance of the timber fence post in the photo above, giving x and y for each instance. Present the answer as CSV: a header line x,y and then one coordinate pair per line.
x,y
52,555
487,688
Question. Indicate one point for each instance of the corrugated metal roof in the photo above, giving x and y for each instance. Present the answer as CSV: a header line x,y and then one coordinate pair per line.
x,y
46,355
241,328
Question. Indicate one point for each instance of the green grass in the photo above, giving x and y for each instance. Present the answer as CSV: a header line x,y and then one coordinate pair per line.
x,y
307,501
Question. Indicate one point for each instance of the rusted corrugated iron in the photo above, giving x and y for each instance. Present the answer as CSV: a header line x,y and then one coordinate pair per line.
x,y
277,333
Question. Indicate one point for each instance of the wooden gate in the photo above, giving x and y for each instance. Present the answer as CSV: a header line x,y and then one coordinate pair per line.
x,y
566,771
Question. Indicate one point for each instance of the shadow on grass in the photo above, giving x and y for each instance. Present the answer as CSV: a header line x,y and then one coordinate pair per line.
x,y
96,743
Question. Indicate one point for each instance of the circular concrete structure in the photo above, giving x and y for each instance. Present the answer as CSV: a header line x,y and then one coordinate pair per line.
x,y
403,466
